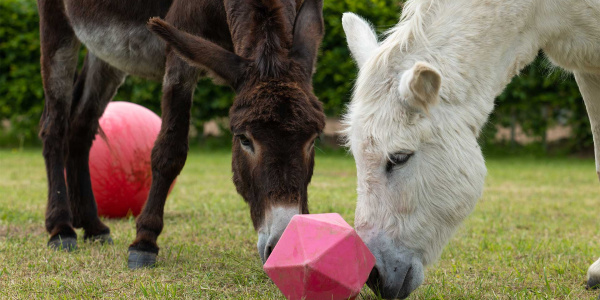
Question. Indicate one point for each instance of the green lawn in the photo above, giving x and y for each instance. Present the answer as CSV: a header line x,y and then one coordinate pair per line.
x,y
532,236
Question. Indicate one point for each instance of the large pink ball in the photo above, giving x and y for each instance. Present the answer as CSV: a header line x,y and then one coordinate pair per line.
x,y
120,167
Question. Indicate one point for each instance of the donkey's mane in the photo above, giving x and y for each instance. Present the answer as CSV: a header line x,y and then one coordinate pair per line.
x,y
416,14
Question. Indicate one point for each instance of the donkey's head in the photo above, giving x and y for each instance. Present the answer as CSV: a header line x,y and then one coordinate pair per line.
x,y
420,170
275,116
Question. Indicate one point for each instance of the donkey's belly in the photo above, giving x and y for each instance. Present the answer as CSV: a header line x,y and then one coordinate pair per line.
x,y
130,48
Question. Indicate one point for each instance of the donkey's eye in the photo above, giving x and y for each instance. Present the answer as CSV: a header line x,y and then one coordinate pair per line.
x,y
318,138
244,141
313,142
397,159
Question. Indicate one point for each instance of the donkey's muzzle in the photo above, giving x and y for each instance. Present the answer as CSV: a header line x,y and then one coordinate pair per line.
x,y
265,246
400,289
272,228
397,272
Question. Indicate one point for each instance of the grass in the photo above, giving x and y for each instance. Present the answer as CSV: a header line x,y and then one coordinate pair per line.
x,y
532,236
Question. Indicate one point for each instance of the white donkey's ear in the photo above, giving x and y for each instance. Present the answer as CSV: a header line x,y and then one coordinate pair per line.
x,y
420,86
361,37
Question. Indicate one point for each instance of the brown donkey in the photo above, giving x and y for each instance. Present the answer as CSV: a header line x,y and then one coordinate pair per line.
x,y
264,49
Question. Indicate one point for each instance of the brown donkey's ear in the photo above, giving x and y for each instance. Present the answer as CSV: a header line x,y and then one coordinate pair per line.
x,y
202,53
308,33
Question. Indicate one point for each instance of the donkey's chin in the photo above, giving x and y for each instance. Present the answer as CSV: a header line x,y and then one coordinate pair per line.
x,y
275,222
397,272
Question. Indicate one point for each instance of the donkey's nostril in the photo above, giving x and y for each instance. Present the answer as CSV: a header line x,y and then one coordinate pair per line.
x,y
398,283
374,280
268,251
273,227
266,245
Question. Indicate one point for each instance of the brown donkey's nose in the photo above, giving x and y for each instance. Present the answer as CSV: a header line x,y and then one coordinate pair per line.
x,y
272,228
266,245
268,251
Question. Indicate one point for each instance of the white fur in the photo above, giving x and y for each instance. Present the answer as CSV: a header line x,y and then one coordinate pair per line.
x,y
420,86
477,47
364,40
589,85
593,274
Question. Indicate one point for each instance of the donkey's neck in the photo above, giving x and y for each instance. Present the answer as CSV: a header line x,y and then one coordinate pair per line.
x,y
478,47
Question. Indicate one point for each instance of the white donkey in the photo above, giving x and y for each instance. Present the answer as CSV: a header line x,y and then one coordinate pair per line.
x,y
420,100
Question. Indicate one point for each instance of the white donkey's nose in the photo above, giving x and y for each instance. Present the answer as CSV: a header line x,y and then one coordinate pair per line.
x,y
395,284
272,228
397,272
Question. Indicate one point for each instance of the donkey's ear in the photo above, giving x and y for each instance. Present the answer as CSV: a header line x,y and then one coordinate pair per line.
x,y
308,33
202,53
420,86
361,37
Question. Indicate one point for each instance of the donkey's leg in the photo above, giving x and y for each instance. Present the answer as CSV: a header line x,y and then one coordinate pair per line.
x,y
95,87
589,85
59,48
168,157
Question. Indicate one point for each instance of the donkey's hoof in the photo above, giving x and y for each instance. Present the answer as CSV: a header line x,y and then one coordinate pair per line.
x,y
60,243
101,238
140,259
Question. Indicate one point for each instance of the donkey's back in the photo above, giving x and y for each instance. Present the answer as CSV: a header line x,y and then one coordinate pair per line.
x,y
115,31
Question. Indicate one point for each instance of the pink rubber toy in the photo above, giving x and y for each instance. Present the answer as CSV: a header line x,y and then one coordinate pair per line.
x,y
319,257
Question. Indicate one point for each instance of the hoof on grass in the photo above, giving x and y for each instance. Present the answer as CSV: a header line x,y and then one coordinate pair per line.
x,y
101,238
140,259
59,243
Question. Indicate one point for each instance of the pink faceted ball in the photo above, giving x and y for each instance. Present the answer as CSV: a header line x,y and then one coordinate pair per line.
x,y
319,257
119,163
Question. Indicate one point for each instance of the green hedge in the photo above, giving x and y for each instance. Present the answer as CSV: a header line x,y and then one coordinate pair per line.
x,y
534,100
21,93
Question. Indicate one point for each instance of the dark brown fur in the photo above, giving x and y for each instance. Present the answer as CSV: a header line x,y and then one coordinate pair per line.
x,y
264,49
283,118
274,107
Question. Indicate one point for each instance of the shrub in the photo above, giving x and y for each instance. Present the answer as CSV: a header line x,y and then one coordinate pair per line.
x,y
21,90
